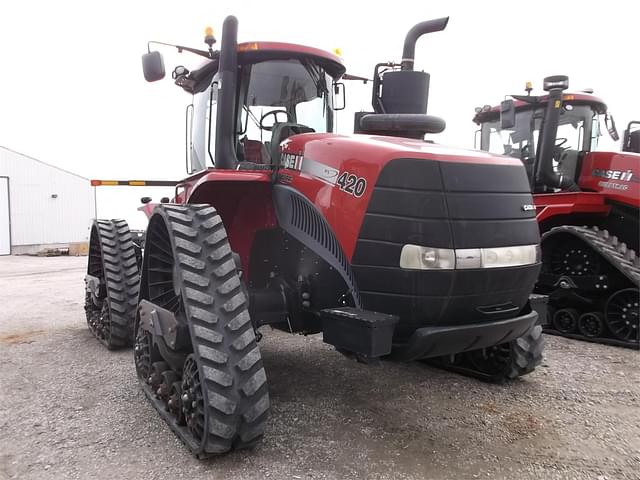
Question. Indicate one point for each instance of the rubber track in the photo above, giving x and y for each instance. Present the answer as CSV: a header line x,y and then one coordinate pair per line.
x,y
608,246
229,361
526,355
623,259
122,277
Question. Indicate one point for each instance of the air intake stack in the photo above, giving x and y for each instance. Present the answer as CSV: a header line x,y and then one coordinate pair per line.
x,y
400,94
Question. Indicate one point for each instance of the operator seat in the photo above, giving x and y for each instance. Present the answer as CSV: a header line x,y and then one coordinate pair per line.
x,y
282,131
568,163
255,151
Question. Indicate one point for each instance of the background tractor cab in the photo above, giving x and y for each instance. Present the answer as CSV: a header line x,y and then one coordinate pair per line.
x,y
587,205
572,130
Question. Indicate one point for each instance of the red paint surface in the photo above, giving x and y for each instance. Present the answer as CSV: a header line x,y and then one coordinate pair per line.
x,y
565,203
616,161
363,156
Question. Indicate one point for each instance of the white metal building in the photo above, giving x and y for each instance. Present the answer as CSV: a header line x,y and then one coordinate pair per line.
x,y
41,206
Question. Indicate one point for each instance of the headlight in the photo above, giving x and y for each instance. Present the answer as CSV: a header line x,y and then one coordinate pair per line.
x,y
427,258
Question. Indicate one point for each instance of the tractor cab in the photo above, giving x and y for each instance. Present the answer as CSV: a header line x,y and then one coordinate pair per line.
x,y
279,98
280,90
514,129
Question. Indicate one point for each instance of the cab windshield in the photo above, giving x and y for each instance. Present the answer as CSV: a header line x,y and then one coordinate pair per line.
x,y
294,92
275,98
578,130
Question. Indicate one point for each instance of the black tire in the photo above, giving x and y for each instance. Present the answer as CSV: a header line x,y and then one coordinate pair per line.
x,y
208,292
112,258
513,359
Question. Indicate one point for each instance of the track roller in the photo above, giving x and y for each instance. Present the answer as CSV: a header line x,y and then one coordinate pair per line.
x,y
565,320
111,283
591,324
196,353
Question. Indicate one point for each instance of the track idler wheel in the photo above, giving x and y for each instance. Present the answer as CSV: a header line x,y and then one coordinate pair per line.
x,y
591,324
622,314
565,320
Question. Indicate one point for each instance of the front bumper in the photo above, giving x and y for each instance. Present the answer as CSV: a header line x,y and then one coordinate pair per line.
x,y
436,341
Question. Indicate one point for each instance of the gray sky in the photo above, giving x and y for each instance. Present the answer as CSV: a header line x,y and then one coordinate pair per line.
x,y
73,94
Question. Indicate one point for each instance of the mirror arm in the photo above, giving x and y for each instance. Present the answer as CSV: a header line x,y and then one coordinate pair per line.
x,y
181,48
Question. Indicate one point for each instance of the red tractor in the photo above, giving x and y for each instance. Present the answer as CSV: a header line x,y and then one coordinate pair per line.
x,y
387,244
587,203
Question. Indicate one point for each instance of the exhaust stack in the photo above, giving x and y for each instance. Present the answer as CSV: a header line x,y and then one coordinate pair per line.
x,y
545,175
422,28
225,155
405,90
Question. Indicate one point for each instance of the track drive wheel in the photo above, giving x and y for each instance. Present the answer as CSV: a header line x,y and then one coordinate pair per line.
x,y
509,360
216,399
112,283
622,314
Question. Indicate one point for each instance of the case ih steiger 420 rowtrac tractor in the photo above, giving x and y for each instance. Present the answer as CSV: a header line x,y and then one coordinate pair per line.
x,y
587,204
387,244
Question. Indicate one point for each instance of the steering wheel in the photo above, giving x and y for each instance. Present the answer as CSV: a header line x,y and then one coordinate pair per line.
x,y
275,113
560,141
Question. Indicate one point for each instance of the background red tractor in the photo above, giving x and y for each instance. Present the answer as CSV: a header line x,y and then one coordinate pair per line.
x,y
385,243
587,204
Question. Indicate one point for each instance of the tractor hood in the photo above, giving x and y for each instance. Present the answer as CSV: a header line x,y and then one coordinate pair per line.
x,y
380,149
383,196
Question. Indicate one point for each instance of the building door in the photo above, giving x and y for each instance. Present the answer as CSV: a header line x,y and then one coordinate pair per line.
x,y
5,224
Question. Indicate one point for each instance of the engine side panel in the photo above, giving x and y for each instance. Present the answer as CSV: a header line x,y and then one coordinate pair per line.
x,y
338,173
616,175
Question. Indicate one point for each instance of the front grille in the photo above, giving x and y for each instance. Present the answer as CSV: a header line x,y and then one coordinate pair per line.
x,y
444,205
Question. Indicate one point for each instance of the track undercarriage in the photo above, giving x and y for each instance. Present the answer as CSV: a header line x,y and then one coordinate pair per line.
x,y
593,282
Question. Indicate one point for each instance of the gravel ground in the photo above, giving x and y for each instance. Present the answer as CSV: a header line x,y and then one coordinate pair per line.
x,y
71,409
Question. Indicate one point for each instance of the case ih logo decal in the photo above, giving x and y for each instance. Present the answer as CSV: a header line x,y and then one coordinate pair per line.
x,y
291,160
621,175
625,176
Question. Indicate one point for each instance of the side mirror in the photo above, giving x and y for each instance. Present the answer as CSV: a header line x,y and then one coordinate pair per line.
x,y
339,97
507,114
153,66
611,127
